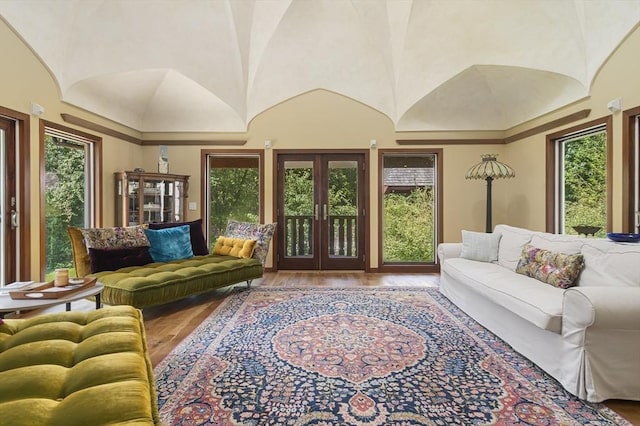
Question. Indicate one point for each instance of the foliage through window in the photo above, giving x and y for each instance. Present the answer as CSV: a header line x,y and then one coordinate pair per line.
x,y
233,191
69,199
408,208
582,181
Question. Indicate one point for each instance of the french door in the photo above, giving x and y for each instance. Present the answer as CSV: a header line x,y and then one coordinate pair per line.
x,y
8,202
321,199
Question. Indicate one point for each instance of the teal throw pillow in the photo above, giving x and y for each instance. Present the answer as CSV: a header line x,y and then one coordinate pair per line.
x,y
170,243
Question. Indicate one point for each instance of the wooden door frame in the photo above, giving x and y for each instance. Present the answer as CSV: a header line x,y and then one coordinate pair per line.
x,y
366,189
23,189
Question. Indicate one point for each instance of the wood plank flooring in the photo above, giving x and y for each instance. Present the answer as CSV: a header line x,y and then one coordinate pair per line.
x,y
167,325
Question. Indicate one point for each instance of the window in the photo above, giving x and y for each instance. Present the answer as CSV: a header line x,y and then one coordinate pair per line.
x,y
410,208
579,189
70,191
631,170
233,189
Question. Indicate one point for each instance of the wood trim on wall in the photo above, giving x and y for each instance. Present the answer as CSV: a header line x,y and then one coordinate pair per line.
x,y
414,268
629,184
554,124
439,142
550,158
579,115
72,119
23,123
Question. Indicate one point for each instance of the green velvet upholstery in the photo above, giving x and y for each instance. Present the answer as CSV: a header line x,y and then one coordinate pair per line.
x,y
77,368
163,282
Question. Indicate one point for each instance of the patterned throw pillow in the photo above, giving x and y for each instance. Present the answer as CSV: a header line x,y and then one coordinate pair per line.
x,y
558,269
115,237
262,233
234,247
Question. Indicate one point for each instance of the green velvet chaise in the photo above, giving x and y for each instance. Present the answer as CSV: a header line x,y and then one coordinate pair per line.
x,y
77,368
162,282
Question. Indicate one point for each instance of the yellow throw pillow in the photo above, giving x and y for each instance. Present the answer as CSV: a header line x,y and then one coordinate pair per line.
x,y
234,247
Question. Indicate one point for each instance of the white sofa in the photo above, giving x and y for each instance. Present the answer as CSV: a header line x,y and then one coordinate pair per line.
x,y
587,337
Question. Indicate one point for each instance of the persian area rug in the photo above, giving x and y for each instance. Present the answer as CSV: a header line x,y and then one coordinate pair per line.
x,y
316,356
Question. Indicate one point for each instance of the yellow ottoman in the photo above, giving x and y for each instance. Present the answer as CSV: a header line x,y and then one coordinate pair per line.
x,y
77,368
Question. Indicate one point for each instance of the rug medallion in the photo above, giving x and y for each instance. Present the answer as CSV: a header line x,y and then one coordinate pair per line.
x,y
316,356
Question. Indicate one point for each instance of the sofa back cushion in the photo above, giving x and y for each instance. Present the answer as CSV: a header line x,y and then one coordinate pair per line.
x,y
512,241
610,264
561,243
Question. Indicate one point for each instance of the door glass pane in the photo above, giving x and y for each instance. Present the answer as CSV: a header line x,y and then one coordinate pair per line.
x,y
234,192
299,208
65,192
584,179
408,216
342,209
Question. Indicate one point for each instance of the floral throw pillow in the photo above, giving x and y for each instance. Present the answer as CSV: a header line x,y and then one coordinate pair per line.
x,y
558,269
115,237
260,232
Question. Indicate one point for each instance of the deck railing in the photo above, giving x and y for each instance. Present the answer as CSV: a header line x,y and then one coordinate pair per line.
x,y
343,235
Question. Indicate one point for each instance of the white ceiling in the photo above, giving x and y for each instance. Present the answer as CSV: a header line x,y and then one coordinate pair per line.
x,y
213,65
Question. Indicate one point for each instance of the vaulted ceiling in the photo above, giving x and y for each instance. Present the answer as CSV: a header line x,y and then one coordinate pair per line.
x,y
214,65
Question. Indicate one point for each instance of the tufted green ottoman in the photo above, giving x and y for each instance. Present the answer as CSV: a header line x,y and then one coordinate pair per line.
x,y
76,368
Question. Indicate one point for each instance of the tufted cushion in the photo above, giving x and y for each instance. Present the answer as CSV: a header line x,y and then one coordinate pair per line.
x,y
159,283
262,233
77,368
234,247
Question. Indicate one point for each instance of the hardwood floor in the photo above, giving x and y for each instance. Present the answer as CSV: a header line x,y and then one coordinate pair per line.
x,y
167,325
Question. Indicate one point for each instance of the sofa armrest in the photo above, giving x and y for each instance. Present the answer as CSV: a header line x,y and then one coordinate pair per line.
x,y
448,250
602,307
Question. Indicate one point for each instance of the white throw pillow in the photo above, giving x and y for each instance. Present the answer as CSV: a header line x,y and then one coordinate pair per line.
x,y
480,246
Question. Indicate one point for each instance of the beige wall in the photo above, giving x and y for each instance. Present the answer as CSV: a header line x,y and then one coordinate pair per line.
x,y
325,120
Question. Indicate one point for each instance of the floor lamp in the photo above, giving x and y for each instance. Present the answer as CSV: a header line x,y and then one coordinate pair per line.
x,y
489,169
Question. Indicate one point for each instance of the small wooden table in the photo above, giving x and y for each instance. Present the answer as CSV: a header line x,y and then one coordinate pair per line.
x,y
7,304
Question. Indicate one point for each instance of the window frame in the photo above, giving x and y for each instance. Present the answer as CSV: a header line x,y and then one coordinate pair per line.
x,y
631,169
552,175
94,216
205,154
411,267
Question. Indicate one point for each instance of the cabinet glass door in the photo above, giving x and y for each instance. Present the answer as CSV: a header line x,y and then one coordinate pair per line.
x,y
133,202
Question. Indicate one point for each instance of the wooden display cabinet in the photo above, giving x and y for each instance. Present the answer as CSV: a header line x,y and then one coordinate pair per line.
x,y
150,197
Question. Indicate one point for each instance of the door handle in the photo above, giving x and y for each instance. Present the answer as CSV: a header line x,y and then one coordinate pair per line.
x,y
14,219
316,212
324,212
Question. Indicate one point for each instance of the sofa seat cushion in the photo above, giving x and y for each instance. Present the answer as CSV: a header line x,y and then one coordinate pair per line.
x,y
77,368
163,282
536,302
